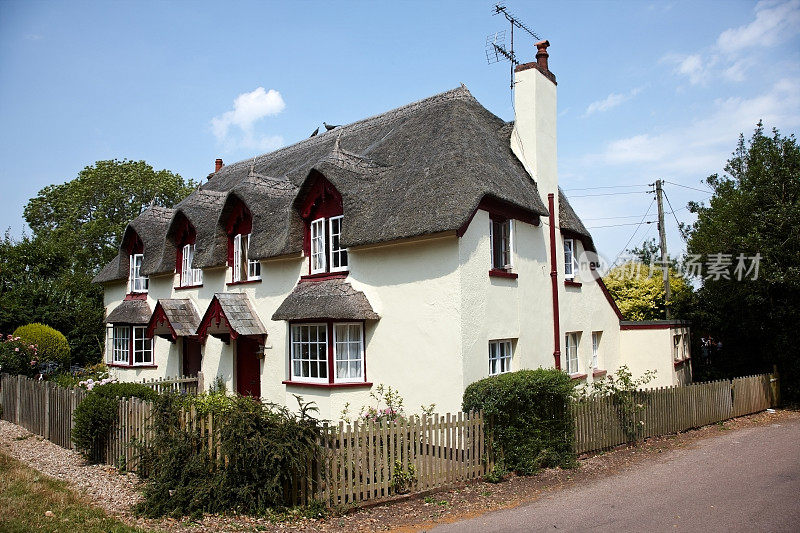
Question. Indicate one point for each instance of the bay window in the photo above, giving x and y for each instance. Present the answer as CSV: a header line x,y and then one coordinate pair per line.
x,y
500,353
136,282
327,352
571,353
189,276
131,346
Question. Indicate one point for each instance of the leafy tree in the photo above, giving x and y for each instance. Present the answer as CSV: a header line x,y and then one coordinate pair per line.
x,y
638,290
76,228
88,214
755,209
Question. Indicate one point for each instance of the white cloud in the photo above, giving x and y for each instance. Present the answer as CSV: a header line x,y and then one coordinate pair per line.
x,y
611,101
701,146
736,49
774,23
235,128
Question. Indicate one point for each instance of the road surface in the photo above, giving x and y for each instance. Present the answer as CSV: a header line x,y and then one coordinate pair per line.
x,y
745,480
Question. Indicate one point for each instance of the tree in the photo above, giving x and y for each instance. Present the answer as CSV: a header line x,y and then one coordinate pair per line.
x,y
76,228
638,289
88,214
755,209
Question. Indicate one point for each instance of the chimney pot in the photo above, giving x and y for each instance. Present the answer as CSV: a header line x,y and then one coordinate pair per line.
x,y
542,55
218,162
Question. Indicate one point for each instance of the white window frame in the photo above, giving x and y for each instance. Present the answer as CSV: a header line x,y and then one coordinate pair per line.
x,y
337,341
570,265
571,342
120,351
136,282
508,249
317,234
676,346
189,276
251,272
501,354
253,265
336,253
296,344
140,334
596,339
236,272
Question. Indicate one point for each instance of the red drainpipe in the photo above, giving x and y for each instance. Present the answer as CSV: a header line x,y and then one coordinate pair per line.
x,y
554,283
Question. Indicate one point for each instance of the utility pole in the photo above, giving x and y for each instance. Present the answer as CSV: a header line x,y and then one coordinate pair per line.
x,y
662,235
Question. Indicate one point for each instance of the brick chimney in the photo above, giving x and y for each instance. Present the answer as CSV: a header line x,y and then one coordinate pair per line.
x,y
217,164
542,55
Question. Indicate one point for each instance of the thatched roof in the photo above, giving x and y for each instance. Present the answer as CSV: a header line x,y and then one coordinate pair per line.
x,y
419,169
130,312
334,298
151,227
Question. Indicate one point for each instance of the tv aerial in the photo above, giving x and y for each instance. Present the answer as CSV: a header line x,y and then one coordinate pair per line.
x,y
496,50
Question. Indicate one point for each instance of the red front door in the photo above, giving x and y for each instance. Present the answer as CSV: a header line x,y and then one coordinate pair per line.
x,y
191,357
248,368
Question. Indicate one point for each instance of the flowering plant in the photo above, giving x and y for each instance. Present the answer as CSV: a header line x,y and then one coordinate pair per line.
x,y
18,357
89,384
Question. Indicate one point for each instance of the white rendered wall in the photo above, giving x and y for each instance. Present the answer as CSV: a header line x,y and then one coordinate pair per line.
x,y
651,349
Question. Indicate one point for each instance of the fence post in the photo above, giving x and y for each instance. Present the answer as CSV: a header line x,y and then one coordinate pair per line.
x,y
47,410
200,382
775,381
19,399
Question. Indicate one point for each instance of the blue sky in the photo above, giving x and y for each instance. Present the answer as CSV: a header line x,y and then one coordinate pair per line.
x,y
646,89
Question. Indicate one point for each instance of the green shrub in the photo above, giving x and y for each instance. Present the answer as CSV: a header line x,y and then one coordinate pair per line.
x,y
126,390
528,417
17,357
52,345
263,444
93,419
96,414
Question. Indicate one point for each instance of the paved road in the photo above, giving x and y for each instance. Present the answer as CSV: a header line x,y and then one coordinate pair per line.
x,y
745,480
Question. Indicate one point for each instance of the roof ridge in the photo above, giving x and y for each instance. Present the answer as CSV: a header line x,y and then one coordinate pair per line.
x,y
460,92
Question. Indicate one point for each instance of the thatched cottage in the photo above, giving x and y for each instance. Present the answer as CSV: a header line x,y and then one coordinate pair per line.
x,y
424,248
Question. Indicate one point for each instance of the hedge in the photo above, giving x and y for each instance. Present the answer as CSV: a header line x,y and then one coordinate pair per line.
x,y
528,416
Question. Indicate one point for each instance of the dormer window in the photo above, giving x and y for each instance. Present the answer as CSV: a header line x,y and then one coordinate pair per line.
x,y
322,212
327,253
570,265
137,283
189,276
500,237
185,238
244,268
239,226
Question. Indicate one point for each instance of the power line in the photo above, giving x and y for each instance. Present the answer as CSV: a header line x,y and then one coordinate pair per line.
x,y
604,187
687,187
674,215
634,231
626,224
608,194
611,218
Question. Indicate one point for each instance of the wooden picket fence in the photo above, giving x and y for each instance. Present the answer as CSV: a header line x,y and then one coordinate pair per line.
x,y
363,461
182,384
600,423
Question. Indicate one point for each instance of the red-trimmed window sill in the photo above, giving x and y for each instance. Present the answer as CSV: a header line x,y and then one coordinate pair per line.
x,y
245,282
571,283
182,287
117,365
577,376
497,273
325,275
328,385
136,296
682,361
598,373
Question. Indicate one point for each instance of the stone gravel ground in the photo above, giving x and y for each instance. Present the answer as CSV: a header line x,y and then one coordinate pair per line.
x,y
115,493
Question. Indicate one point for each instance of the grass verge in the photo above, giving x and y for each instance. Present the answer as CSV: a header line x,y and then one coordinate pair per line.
x,y
31,501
